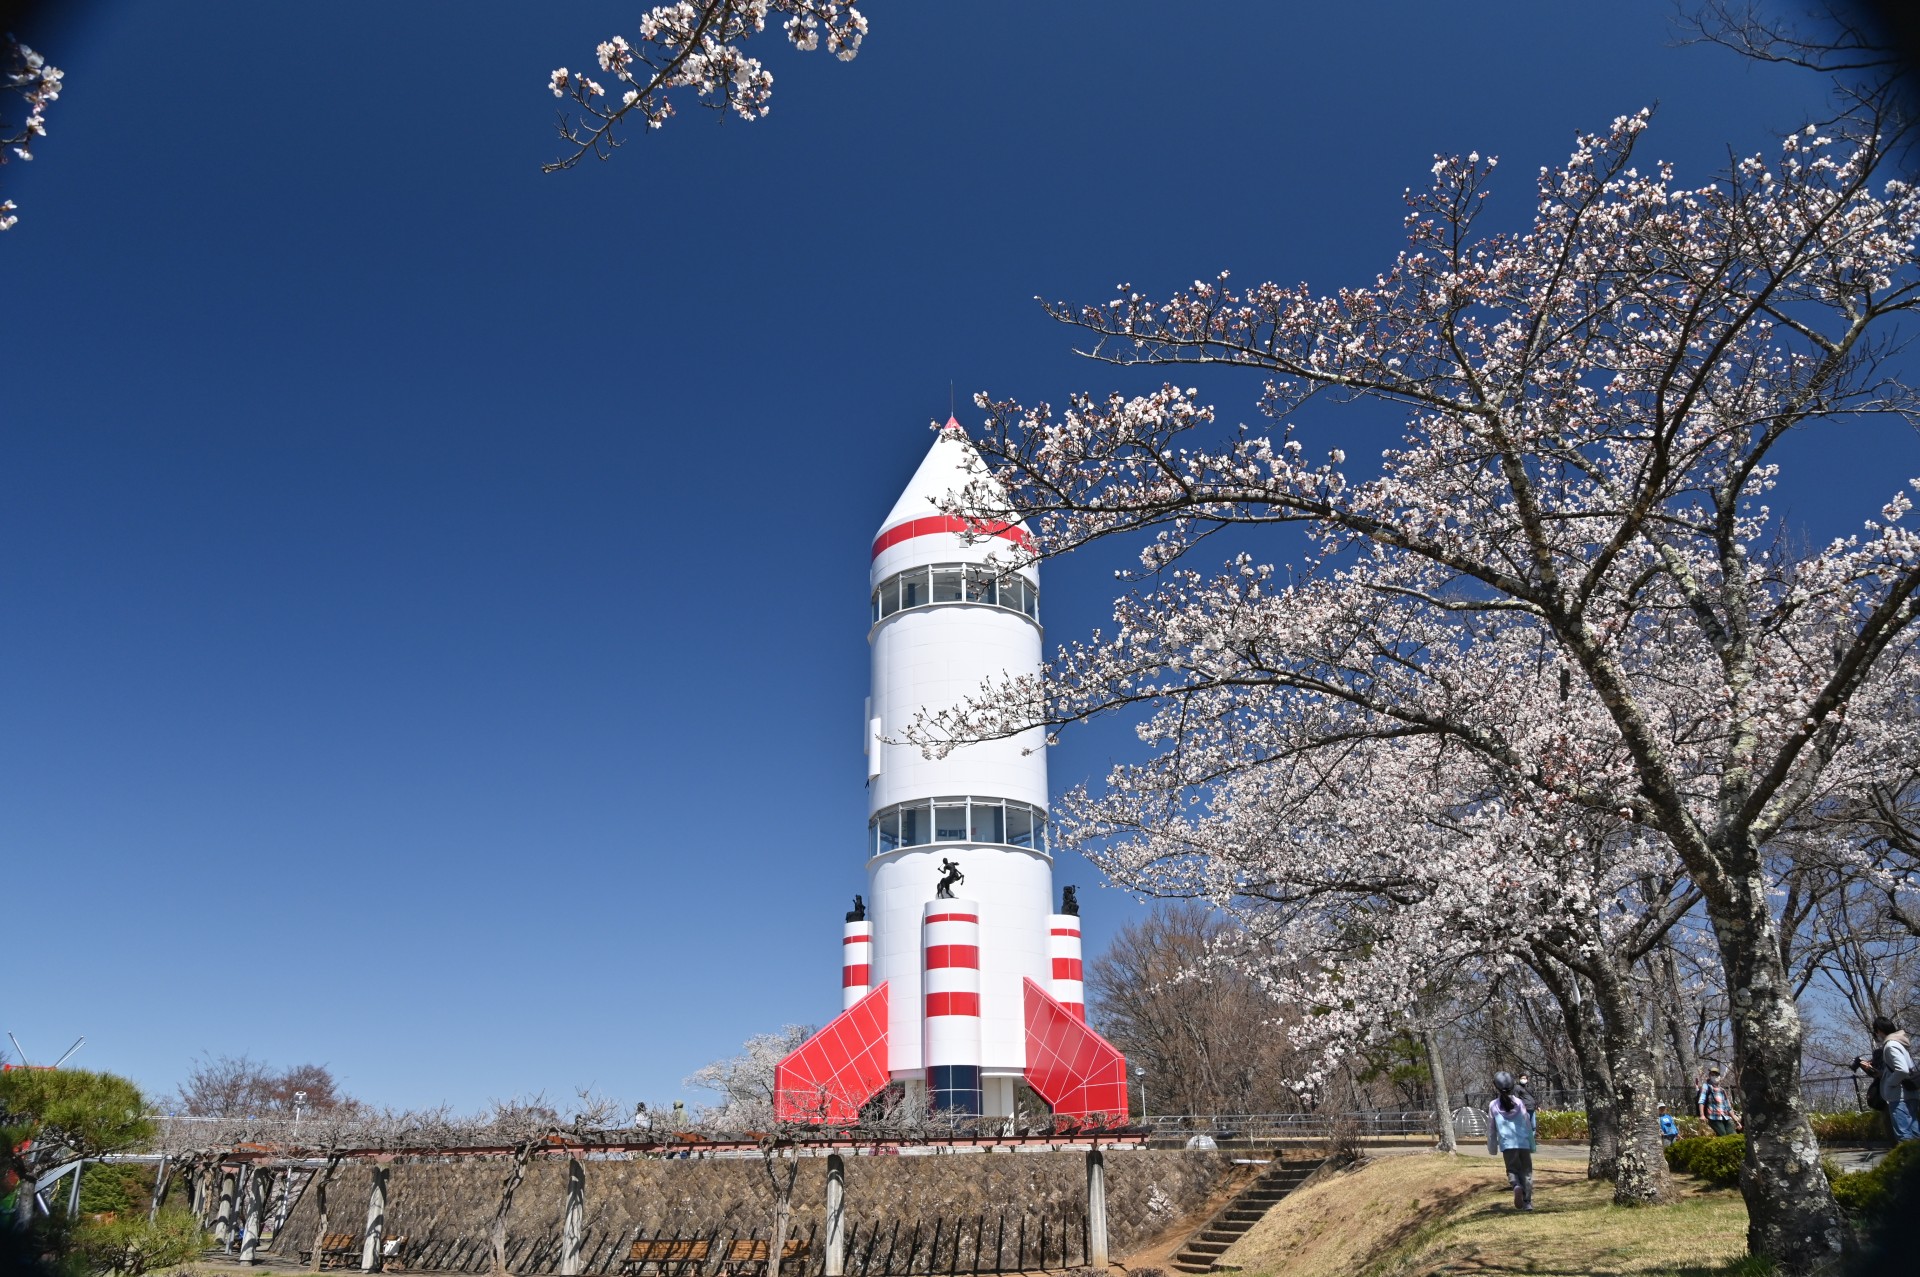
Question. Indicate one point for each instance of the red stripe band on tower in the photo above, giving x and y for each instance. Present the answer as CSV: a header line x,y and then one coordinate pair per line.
x,y
1066,969
953,1004
953,955
948,523
855,977
953,917
858,940
1065,931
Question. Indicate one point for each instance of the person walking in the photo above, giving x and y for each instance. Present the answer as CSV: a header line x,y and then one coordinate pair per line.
x,y
1890,1069
1510,1134
1712,1104
1669,1126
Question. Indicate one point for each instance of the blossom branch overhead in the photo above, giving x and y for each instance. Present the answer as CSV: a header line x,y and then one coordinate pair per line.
x,y
692,49
28,74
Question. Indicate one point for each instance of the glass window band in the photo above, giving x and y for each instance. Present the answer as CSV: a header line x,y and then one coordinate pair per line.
x,y
942,583
993,821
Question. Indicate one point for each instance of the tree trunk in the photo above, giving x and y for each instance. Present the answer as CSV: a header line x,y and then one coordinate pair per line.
x,y
1672,1001
1791,1216
509,1185
1589,1052
1640,1165
320,1209
1442,1103
781,1171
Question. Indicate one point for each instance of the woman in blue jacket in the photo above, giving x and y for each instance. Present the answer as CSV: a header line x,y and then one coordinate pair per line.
x,y
1510,1134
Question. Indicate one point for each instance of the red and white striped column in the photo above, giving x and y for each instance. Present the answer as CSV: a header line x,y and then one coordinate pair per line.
x,y
856,963
950,931
1063,946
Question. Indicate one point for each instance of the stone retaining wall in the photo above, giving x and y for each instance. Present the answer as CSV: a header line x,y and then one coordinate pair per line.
x,y
946,1212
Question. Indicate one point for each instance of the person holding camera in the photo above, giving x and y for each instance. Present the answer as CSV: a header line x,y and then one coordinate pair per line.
x,y
1891,1084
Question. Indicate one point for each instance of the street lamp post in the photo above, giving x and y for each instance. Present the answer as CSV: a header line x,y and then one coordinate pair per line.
x,y
1141,1073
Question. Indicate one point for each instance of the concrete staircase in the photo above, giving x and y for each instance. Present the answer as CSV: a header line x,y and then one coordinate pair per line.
x,y
1202,1252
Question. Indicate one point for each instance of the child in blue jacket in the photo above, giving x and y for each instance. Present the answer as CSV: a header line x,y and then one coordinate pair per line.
x,y
1510,1134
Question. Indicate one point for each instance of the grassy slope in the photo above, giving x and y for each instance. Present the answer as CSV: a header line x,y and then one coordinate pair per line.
x,y
1423,1213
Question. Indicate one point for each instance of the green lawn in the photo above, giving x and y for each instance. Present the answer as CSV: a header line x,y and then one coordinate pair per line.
x,y
1421,1214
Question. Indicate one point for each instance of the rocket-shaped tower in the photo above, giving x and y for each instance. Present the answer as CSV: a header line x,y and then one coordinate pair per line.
x,y
962,979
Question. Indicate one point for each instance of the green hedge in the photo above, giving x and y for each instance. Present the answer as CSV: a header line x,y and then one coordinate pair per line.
x,y
1855,1124
1865,1193
1571,1124
1560,1124
1713,1158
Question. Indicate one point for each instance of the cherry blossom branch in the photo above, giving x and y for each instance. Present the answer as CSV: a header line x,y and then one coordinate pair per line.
x,y
694,48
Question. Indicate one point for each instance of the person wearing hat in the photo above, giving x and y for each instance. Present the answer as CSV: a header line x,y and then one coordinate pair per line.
x,y
1712,1104
1669,1126
1890,1069
1510,1134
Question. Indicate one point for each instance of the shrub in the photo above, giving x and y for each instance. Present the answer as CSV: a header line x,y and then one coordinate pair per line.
x,y
1561,1124
1858,1124
1866,1193
134,1246
1571,1124
119,1188
1715,1158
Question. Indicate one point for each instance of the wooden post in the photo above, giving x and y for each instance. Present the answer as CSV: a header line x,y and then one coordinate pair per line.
x,y
573,1222
258,1185
834,1263
223,1212
376,1232
1096,1209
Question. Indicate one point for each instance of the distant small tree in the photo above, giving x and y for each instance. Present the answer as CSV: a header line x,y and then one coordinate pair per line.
x,y
1206,1033
240,1086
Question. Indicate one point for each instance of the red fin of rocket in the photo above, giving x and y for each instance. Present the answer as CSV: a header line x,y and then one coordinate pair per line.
x,y
836,1070
1074,1069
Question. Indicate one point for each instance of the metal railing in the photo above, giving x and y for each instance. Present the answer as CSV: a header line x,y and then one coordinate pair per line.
x,y
1260,1127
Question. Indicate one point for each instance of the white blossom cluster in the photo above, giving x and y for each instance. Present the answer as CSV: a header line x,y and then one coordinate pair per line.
x,y
1551,673
28,74
693,47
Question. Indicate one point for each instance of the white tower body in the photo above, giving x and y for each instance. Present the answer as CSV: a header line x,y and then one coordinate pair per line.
x,y
937,639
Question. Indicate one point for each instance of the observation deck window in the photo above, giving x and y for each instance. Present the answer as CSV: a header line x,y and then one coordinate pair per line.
x,y
945,583
958,820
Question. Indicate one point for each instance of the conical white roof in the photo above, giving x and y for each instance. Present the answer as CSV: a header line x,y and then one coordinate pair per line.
x,y
949,466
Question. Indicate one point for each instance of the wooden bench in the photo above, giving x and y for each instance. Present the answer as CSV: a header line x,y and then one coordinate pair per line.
x,y
747,1257
345,1249
670,1256
335,1248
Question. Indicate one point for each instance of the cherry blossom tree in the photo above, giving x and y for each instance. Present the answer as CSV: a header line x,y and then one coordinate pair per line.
x,y
744,1082
692,49
1565,572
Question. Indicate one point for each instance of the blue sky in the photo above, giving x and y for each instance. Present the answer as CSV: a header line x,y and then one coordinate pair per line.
x,y
434,592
